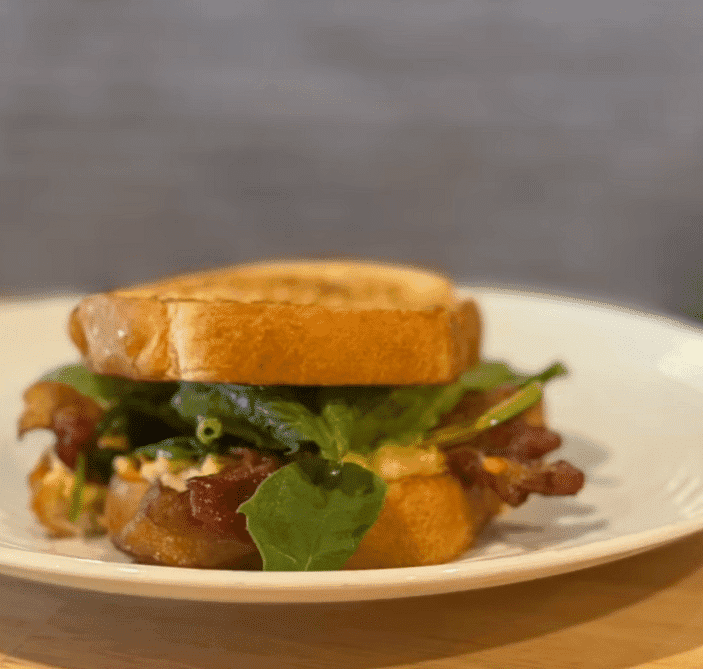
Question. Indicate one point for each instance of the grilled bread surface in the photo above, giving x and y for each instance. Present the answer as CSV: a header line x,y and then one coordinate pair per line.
x,y
294,323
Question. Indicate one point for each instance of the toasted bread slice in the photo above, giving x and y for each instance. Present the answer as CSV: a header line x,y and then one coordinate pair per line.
x,y
425,520
300,323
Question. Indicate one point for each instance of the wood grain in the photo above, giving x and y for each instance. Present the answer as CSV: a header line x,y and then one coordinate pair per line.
x,y
645,611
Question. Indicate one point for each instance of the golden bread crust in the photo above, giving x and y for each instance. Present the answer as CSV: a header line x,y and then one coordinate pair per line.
x,y
425,520
124,497
289,324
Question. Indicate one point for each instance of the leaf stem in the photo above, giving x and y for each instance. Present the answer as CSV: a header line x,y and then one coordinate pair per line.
x,y
77,490
510,407
209,430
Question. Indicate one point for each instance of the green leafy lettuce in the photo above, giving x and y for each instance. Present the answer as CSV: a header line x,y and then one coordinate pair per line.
x,y
311,514
106,390
245,412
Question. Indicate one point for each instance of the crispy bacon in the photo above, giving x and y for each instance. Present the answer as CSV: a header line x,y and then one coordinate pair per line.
x,y
516,440
511,480
215,499
163,531
58,407
211,502
508,457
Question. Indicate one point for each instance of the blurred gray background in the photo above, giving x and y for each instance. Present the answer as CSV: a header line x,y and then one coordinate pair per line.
x,y
550,143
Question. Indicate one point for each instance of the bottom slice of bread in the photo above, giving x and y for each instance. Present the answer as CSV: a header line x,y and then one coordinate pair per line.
x,y
425,520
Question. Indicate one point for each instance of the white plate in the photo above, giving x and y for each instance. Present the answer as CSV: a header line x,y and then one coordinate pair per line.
x,y
631,414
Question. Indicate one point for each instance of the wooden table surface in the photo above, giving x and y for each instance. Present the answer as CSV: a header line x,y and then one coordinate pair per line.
x,y
644,611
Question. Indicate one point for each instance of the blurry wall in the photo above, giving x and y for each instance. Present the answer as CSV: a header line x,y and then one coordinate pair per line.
x,y
555,143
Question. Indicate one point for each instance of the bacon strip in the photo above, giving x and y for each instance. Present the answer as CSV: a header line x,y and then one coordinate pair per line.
x,y
214,499
511,480
508,457
211,502
518,441
58,407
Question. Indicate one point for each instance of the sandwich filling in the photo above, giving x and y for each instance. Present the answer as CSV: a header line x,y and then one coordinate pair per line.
x,y
296,475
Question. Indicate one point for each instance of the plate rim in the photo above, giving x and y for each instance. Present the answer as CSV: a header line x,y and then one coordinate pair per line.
x,y
322,586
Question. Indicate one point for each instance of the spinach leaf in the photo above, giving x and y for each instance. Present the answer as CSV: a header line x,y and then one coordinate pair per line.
x,y
406,414
331,430
312,514
143,418
361,398
336,419
175,448
489,374
105,390
244,411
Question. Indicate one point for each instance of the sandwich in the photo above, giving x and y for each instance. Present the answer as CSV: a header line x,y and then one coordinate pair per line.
x,y
312,415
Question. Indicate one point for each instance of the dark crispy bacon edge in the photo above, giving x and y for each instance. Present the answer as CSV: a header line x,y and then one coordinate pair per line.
x,y
211,502
71,416
511,480
508,457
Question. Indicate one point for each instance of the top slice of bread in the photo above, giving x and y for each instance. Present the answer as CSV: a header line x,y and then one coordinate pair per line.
x,y
287,323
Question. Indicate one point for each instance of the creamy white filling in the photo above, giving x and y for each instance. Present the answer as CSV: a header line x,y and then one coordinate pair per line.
x,y
168,472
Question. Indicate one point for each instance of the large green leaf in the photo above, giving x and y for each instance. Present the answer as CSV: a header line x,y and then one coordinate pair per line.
x,y
244,411
311,515
331,430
